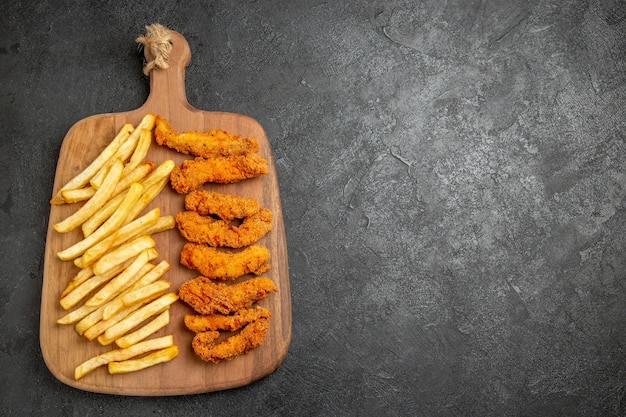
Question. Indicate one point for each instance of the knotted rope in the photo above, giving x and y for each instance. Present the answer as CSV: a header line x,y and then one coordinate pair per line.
x,y
158,41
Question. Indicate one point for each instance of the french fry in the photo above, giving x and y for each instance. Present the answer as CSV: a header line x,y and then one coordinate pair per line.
x,y
73,297
82,275
118,355
117,284
142,333
78,195
94,203
164,223
145,312
140,226
76,315
110,226
149,194
83,311
125,151
136,175
96,181
95,313
105,323
151,359
91,225
134,297
159,175
146,277
123,252
157,180
140,152
83,178
140,294
150,276
100,327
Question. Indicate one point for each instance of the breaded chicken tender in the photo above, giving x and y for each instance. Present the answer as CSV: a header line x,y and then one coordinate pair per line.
x,y
219,233
207,297
219,264
205,144
226,207
204,323
249,338
193,173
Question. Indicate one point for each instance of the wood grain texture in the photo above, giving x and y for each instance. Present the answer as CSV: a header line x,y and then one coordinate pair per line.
x,y
63,349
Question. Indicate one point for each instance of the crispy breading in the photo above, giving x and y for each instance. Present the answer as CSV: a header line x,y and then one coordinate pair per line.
x,y
219,264
226,207
203,323
205,229
249,338
205,144
207,297
193,173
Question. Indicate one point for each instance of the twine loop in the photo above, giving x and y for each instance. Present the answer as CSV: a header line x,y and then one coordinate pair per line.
x,y
158,41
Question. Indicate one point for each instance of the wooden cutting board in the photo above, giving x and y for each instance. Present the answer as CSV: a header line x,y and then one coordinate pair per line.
x,y
63,349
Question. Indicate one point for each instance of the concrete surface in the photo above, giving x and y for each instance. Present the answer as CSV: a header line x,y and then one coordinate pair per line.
x,y
453,182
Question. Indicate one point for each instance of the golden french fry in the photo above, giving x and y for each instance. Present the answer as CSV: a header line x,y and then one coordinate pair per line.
x,y
140,334
90,225
117,284
83,178
78,195
146,277
123,252
128,148
118,355
164,223
154,185
151,359
138,174
94,203
159,173
141,226
111,308
136,296
157,176
146,198
73,297
140,152
145,312
96,181
94,315
110,226
125,151
82,275
101,326
76,315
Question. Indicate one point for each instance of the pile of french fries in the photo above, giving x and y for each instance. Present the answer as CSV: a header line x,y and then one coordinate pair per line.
x,y
119,295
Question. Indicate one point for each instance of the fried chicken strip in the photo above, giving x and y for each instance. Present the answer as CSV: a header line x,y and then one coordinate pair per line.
x,y
250,337
219,264
207,297
217,321
205,229
205,144
226,207
193,173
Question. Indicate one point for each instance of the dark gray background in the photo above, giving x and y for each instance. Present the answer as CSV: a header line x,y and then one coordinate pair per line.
x,y
453,180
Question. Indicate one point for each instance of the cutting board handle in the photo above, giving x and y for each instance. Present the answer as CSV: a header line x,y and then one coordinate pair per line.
x,y
167,85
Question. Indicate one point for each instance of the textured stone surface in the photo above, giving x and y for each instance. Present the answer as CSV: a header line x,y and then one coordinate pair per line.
x,y
453,183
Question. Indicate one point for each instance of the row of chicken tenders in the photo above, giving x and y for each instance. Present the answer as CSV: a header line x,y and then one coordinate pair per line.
x,y
222,232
